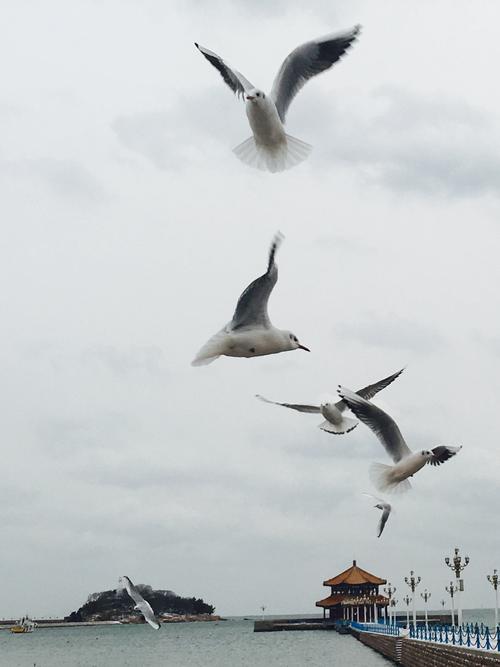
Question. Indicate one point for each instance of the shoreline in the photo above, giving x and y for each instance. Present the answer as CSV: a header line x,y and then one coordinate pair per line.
x,y
60,623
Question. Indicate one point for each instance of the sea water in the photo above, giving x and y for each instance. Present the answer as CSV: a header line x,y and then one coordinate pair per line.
x,y
229,643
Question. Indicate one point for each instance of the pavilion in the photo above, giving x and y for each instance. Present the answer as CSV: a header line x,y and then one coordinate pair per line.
x,y
354,596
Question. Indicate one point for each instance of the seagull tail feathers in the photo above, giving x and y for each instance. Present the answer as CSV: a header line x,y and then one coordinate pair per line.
x,y
286,155
383,480
211,351
346,425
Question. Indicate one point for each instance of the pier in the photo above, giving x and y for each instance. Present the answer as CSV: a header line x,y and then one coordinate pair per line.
x,y
439,646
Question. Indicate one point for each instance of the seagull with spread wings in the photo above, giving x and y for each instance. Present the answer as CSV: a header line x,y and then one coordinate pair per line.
x,y
335,421
407,463
250,332
270,148
140,603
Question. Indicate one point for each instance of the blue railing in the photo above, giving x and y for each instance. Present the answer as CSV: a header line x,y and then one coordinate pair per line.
x,y
471,635
378,628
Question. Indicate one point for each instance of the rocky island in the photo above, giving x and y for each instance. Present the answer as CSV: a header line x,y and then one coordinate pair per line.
x,y
116,605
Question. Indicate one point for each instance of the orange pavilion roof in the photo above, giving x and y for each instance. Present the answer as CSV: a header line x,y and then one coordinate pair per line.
x,y
351,600
355,576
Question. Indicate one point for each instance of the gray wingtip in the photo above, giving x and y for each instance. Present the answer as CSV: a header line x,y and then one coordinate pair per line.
x,y
278,239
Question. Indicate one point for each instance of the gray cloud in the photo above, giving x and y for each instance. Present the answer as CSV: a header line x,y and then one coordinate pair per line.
x,y
66,178
175,137
147,359
410,143
392,333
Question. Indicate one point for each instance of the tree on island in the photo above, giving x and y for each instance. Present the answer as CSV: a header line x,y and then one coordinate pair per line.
x,y
114,605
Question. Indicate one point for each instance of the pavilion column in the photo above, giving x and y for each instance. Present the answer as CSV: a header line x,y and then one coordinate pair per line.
x,y
375,616
364,613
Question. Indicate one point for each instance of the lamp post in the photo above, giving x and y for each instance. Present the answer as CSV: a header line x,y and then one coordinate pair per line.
x,y
263,609
390,590
452,589
393,604
413,582
457,566
407,599
493,579
425,597
443,602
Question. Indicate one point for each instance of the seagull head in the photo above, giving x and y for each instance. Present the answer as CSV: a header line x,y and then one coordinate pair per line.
x,y
255,96
294,344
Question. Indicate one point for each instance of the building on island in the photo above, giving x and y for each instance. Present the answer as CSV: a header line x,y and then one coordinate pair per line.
x,y
354,596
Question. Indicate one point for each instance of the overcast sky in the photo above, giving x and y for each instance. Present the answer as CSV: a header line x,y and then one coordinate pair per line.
x,y
128,231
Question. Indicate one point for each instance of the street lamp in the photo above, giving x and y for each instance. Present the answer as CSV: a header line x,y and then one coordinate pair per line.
x,y
425,597
390,590
407,599
457,566
413,582
263,609
452,590
493,579
393,604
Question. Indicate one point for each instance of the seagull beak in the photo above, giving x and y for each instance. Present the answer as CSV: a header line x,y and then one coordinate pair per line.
x,y
250,97
303,347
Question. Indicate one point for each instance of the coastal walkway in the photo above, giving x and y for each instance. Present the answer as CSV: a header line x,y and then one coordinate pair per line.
x,y
438,646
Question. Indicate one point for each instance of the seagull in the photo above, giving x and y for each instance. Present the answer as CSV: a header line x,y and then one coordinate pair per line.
x,y
250,332
270,148
335,422
407,463
386,510
140,603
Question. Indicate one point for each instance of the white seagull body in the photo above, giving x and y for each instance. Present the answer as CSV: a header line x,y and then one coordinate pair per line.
x,y
386,510
140,603
407,463
250,332
335,420
270,148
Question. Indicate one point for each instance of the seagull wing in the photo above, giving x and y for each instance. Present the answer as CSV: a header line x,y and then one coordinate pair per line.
x,y
383,519
442,453
251,309
132,590
232,77
384,427
146,610
371,390
306,61
311,409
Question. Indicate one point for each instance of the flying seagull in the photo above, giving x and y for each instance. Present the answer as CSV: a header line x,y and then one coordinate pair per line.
x,y
140,603
335,422
250,332
386,510
270,148
407,463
